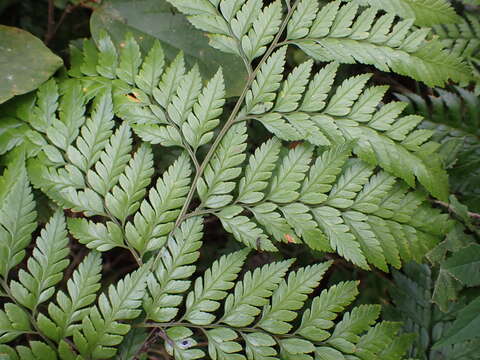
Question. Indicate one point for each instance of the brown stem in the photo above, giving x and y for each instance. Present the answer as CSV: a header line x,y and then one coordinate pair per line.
x,y
449,208
50,23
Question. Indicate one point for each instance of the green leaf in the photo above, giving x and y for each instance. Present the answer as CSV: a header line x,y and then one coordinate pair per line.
x,y
94,134
289,297
14,321
45,267
188,89
107,56
98,236
462,264
324,173
260,345
215,186
17,216
291,172
149,20
341,240
264,28
221,344
302,19
172,276
37,351
130,59
152,69
341,33
216,281
26,62
424,12
465,327
352,324
318,88
253,291
293,88
69,310
149,227
112,161
243,229
296,346
206,112
319,317
258,171
354,176
124,198
102,329
259,98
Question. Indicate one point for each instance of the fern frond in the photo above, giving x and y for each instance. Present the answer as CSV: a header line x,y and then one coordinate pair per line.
x,y
102,329
171,278
241,307
462,39
69,310
112,161
14,321
341,33
17,216
341,206
45,267
424,12
152,69
289,297
382,137
156,216
338,31
258,170
454,118
206,111
216,184
207,292
107,57
412,295
46,107
124,198
239,334
130,60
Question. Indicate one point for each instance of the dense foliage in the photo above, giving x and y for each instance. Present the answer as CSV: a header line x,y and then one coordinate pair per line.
x,y
246,198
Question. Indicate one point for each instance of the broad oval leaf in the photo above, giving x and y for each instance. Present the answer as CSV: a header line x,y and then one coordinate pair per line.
x,y
25,62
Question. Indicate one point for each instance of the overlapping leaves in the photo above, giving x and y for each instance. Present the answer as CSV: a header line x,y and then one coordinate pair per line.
x,y
252,318
56,319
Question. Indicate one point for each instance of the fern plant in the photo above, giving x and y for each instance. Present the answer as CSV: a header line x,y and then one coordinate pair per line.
x,y
412,298
454,117
462,39
342,172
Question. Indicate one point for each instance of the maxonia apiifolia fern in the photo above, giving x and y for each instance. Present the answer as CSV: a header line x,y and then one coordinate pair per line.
x,y
256,320
320,197
348,187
